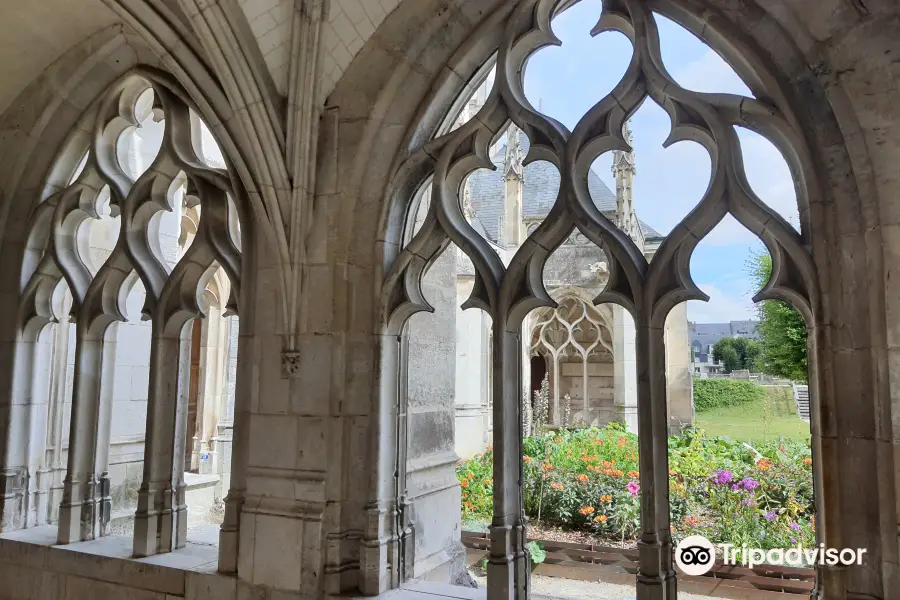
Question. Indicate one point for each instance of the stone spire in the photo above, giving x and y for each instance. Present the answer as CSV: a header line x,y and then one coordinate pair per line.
x,y
624,170
514,180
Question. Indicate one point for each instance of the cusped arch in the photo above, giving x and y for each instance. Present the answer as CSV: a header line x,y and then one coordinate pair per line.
x,y
796,114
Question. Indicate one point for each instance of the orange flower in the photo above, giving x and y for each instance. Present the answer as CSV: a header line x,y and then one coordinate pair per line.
x,y
582,478
557,486
691,521
471,476
470,506
597,442
634,474
672,472
807,461
812,522
464,483
490,448
586,510
764,464
618,473
557,440
547,467
600,518
606,498
526,458
490,481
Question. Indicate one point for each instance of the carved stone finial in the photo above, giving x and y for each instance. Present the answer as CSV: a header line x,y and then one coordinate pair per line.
x,y
513,168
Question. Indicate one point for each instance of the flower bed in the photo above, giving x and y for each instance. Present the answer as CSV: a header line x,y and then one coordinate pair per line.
x,y
588,480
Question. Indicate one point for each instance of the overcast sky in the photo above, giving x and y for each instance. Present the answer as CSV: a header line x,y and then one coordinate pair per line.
x,y
566,81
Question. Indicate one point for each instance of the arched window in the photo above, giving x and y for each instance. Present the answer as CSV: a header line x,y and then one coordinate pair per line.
x,y
509,253
130,284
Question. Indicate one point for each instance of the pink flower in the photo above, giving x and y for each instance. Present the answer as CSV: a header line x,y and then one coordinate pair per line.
x,y
633,487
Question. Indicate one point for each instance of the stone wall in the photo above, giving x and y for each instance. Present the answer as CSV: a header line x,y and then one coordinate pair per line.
x,y
431,483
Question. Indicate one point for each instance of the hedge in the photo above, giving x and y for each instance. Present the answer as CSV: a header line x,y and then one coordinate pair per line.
x,y
717,393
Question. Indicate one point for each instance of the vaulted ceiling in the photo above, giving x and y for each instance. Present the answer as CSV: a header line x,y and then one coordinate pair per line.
x,y
33,34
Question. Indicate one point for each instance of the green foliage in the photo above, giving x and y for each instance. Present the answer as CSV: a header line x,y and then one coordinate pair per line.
x,y
737,353
781,329
719,393
537,552
587,480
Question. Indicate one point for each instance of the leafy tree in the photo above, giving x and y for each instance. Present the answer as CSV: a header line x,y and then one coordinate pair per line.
x,y
737,353
781,328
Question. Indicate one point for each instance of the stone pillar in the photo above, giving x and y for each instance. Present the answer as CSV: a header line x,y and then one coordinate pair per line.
x,y
85,502
160,523
679,377
508,561
223,440
625,370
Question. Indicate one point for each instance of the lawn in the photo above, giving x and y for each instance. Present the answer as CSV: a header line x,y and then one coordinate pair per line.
x,y
774,417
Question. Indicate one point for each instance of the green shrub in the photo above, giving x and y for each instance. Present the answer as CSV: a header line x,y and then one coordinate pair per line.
x,y
719,393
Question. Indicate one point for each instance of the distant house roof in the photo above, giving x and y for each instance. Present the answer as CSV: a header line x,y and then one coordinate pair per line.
x,y
486,193
707,334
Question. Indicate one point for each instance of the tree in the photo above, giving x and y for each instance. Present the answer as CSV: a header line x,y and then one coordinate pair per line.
x,y
781,328
737,353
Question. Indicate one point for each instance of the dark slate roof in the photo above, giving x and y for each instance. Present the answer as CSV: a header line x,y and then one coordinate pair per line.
x,y
541,187
707,334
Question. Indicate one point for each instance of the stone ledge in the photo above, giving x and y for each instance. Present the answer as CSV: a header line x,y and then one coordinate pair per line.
x,y
106,560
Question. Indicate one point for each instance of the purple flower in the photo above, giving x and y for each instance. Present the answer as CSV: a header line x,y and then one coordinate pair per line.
x,y
749,483
736,487
633,487
795,526
770,516
747,502
793,540
722,477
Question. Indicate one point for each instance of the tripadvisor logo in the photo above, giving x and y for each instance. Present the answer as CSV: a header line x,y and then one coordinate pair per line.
x,y
695,555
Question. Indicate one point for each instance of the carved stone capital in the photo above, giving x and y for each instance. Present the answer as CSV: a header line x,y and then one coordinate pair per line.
x,y
290,364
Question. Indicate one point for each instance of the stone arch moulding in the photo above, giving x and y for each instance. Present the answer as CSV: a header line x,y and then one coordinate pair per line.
x,y
647,290
174,296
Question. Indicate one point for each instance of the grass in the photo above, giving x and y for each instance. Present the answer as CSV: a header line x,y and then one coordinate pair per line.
x,y
774,417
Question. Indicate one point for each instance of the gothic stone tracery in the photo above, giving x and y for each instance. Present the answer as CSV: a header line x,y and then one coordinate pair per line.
x,y
508,291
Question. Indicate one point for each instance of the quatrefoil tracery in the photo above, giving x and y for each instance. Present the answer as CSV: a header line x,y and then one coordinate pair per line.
x,y
174,293
647,290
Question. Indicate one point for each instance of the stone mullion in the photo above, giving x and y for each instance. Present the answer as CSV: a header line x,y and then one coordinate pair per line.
x,y
160,523
507,563
240,414
660,462
650,351
82,496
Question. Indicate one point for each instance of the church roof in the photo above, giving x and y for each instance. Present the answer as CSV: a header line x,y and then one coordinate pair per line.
x,y
486,192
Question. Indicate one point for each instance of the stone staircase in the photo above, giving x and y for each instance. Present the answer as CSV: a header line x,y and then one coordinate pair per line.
x,y
801,397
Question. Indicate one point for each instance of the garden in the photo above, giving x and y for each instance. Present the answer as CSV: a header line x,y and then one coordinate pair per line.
x,y
586,480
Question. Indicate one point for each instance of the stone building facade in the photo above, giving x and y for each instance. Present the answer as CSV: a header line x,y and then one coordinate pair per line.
x,y
331,117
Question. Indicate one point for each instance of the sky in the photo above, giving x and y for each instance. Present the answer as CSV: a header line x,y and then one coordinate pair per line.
x,y
564,82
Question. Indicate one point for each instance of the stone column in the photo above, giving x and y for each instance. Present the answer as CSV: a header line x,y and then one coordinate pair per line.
x,y
38,415
85,488
58,377
160,522
625,370
680,382
507,563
